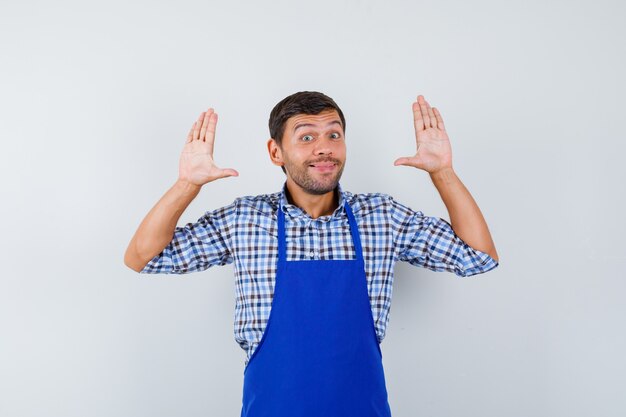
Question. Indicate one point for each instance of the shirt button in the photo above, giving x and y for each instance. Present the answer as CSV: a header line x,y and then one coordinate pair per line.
x,y
311,254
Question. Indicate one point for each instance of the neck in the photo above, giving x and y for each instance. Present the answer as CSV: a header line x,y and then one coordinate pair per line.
x,y
315,205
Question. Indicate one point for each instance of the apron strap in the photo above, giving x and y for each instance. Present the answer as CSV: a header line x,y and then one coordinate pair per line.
x,y
354,231
282,250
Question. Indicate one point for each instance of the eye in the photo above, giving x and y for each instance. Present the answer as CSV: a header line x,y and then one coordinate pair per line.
x,y
335,135
307,138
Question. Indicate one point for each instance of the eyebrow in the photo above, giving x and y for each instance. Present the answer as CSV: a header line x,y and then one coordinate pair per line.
x,y
298,126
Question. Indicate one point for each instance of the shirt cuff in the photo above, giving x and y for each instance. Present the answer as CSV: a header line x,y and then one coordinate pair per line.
x,y
481,264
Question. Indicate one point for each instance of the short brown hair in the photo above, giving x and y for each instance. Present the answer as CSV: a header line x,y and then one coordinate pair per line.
x,y
303,102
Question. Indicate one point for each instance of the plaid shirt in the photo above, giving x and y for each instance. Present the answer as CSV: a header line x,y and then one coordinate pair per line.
x,y
245,233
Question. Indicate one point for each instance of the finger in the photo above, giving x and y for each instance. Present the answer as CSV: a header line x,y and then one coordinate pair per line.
x,y
424,110
418,121
439,119
205,123
431,115
402,161
190,134
197,126
210,132
227,172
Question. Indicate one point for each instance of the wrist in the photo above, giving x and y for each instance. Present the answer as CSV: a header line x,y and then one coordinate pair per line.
x,y
443,174
187,187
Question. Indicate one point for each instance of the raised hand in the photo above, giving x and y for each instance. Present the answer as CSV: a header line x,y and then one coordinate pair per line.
x,y
196,161
433,151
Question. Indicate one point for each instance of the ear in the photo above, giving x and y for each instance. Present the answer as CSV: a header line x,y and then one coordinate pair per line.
x,y
276,154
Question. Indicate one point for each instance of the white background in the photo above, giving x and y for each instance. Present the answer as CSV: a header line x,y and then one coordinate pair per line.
x,y
97,98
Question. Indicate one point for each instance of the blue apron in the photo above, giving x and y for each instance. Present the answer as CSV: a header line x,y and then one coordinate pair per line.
x,y
319,355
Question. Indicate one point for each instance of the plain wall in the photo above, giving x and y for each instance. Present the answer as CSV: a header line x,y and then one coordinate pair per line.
x,y
97,99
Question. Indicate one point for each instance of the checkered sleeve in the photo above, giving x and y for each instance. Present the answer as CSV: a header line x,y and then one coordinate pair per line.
x,y
197,246
430,242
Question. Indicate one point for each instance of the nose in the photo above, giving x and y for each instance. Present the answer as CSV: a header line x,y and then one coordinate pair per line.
x,y
323,147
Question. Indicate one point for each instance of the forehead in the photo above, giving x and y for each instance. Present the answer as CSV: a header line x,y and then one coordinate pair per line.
x,y
320,120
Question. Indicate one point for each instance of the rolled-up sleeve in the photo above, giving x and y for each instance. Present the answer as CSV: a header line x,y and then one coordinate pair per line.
x,y
430,242
197,246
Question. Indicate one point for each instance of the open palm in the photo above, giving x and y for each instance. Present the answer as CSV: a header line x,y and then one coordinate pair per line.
x,y
196,161
433,151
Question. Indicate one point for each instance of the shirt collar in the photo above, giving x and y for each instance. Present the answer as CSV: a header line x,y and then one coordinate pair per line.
x,y
295,211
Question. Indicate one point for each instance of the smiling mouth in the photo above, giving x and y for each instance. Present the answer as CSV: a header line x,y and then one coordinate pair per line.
x,y
324,165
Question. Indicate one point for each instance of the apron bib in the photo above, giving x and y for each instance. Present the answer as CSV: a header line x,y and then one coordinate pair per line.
x,y
319,355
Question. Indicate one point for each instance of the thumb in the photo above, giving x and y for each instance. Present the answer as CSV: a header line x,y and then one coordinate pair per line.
x,y
402,161
227,172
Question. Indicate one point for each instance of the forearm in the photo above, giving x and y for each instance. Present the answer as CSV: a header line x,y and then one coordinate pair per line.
x,y
466,218
157,228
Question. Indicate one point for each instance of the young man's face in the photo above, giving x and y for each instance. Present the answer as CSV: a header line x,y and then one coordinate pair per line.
x,y
313,151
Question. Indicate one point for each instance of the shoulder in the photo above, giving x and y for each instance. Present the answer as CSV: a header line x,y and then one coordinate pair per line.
x,y
251,205
364,204
258,204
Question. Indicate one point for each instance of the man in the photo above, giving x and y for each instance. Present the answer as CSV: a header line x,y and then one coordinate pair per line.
x,y
313,263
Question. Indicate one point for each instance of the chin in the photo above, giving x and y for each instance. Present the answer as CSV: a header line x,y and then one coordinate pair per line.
x,y
313,184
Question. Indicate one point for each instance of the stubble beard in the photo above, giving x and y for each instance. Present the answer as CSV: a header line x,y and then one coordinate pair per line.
x,y
301,176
